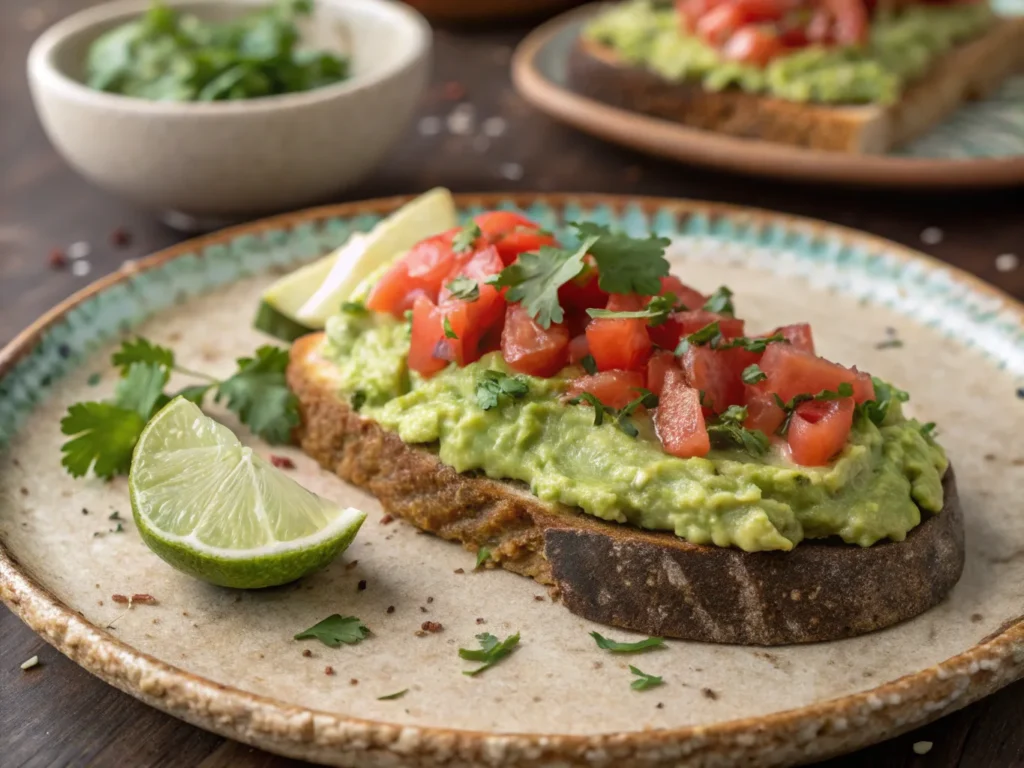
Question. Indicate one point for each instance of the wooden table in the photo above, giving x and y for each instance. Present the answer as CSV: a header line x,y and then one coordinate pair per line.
x,y
58,714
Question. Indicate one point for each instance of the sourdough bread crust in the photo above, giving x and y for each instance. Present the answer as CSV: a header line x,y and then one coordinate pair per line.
x,y
647,581
970,71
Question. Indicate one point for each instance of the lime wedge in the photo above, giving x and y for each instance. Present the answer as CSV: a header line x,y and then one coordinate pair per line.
x,y
429,214
281,302
212,508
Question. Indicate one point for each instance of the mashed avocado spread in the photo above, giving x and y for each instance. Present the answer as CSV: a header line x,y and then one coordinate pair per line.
x,y
875,489
901,48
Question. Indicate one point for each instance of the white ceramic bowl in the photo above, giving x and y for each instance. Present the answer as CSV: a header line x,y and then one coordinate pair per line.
x,y
236,158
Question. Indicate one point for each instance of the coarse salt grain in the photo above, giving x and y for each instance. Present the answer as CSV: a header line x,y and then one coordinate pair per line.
x,y
429,126
512,171
922,747
80,268
78,250
1007,262
932,235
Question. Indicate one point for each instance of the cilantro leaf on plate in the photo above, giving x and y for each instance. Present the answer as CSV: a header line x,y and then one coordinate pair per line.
x,y
644,681
103,436
336,630
490,652
616,647
140,350
534,279
395,695
482,556
260,396
142,389
626,264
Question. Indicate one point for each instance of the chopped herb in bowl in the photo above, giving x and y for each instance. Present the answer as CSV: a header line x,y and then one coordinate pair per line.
x,y
165,55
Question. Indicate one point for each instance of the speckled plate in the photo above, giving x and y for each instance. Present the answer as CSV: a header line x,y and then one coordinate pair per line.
x,y
226,661
980,145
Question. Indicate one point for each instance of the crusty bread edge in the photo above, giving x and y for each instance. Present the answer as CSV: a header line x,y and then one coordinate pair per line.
x,y
624,576
970,71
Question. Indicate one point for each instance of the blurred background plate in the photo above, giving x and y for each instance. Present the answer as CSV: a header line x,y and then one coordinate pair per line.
x,y
982,144
458,11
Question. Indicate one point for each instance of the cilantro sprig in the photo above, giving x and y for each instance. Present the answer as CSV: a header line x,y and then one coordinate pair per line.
x,y
533,279
615,646
657,311
728,431
336,630
720,302
619,416
711,335
644,681
464,288
103,434
466,237
753,374
885,395
492,386
626,264
491,651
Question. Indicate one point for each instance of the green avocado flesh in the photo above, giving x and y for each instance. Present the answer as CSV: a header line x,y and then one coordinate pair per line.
x,y
902,47
873,490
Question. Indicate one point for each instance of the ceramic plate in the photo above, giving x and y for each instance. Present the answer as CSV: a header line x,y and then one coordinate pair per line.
x,y
225,660
982,144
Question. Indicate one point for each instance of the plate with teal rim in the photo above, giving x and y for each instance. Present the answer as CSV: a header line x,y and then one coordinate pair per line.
x,y
227,661
980,145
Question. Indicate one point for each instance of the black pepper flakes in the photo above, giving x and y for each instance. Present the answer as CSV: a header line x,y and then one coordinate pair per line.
x,y
430,599
709,694
431,626
57,259
479,621
460,570
24,491
391,609
353,681
307,653
423,609
329,670
120,237
362,585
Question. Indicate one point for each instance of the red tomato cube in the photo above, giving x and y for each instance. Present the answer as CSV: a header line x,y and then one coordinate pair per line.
x,y
679,420
429,350
661,362
529,348
613,388
818,430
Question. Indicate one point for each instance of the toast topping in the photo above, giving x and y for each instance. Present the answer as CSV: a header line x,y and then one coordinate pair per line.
x,y
654,409
824,51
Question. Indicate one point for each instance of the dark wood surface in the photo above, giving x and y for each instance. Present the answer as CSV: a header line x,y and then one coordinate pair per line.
x,y
59,715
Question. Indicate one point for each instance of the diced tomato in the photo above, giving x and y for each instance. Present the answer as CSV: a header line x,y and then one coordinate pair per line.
x,y
619,343
818,430
863,387
753,45
690,11
478,265
512,233
666,334
763,412
716,374
685,295
661,362
583,292
578,348
792,372
421,272
476,324
529,348
693,321
613,388
718,24
429,350
850,20
798,335
678,418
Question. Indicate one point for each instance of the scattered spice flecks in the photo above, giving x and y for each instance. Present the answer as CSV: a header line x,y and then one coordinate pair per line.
x,y
479,621
1020,393
976,617
539,598
889,344
362,585
660,705
328,670
24,491
460,570
922,747
117,528
57,259
430,599
29,663
120,237
353,681
387,520
709,694
350,566
307,653
423,609
118,598
391,609
431,626
1007,262
282,462
144,599
932,235
115,515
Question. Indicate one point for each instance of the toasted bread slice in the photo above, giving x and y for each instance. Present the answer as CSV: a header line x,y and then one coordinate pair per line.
x,y
625,576
970,71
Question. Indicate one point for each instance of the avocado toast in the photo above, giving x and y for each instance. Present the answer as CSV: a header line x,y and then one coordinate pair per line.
x,y
579,415
844,75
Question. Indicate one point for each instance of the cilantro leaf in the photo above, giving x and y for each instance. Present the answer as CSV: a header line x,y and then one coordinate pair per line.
x,y
354,308
616,647
728,430
749,344
358,400
620,416
103,437
465,237
490,652
335,630
140,350
195,393
483,554
599,408
644,681
533,279
589,364
259,395
464,288
395,695
626,264
885,395
492,385
142,389
752,374
698,338
447,326
928,430
845,389
657,310
720,302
